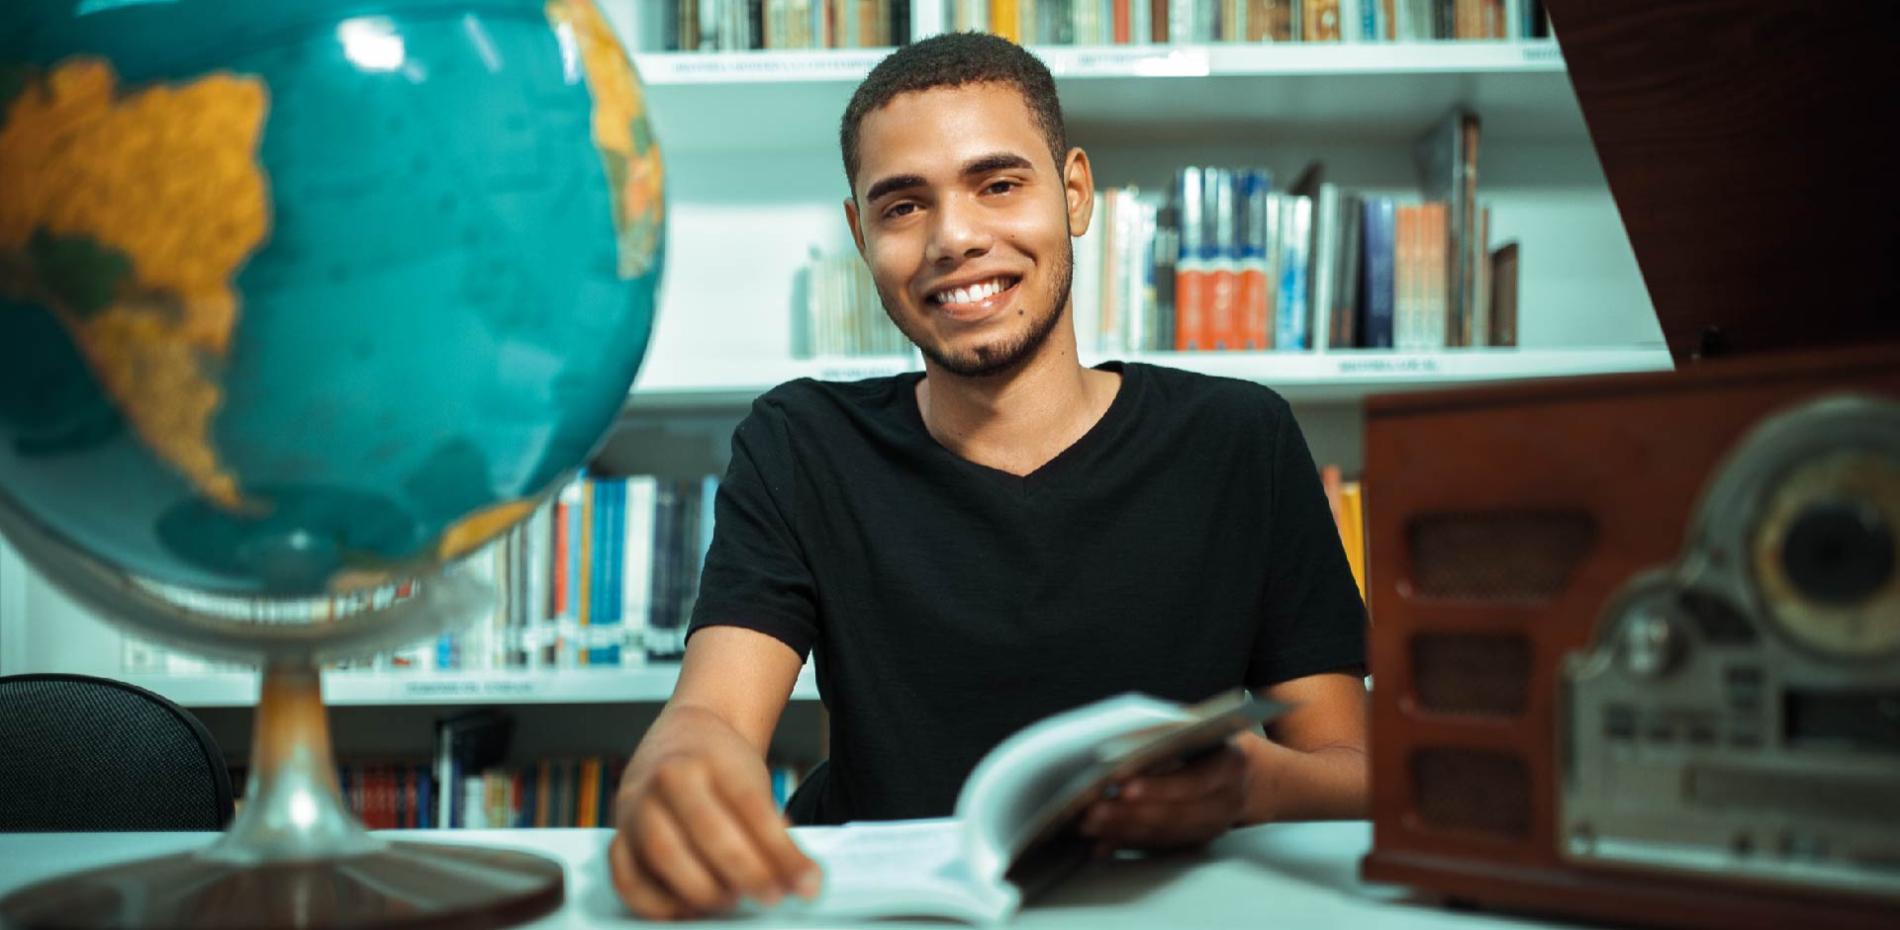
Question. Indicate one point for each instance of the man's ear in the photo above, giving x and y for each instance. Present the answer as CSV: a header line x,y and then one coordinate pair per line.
x,y
1078,183
851,219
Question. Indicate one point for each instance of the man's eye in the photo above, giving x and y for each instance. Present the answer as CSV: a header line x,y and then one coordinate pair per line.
x,y
897,210
1000,187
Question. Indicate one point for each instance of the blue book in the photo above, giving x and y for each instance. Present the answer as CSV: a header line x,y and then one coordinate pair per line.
x,y
1377,273
1293,311
606,530
708,497
425,798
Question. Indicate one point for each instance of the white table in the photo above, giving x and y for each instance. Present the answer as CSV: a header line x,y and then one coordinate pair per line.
x,y
1280,876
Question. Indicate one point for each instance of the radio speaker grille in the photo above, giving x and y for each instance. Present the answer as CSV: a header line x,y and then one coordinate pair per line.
x,y
1472,791
1498,556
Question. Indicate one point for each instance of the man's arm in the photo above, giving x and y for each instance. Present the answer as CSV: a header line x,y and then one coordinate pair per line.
x,y
695,825
1314,767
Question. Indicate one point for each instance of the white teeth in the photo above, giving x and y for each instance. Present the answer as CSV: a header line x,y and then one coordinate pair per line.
x,y
973,293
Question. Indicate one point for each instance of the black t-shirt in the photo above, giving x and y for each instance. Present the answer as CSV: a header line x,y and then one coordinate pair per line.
x,y
1183,546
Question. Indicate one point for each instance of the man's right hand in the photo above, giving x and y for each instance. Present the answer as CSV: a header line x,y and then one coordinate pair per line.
x,y
695,826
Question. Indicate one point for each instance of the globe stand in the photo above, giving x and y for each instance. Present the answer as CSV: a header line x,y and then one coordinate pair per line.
x,y
295,856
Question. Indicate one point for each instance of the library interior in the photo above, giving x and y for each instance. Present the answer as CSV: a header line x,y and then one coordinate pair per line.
x,y
388,388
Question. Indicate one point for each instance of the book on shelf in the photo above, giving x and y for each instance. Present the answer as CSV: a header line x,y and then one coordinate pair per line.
x,y
1147,22
1013,833
603,575
1222,261
742,25
1347,500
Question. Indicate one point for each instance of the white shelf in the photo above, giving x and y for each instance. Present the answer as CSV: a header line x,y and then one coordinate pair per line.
x,y
1373,91
651,683
1300,376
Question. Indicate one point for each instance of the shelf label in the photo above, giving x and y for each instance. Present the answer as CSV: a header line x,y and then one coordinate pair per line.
x,y
1390,365
1542,53
844,368
484,687
1124,61
712,68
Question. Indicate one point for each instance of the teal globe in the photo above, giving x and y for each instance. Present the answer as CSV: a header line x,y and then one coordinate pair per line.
x,y
304,298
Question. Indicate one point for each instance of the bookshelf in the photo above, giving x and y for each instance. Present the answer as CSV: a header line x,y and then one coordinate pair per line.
x,y
726,331
1318,377
754,189
643,684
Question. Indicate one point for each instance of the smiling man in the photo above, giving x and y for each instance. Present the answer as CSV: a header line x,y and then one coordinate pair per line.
x,y
1005,536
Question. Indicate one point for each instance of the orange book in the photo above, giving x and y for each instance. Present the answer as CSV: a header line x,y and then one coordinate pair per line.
x,y
1123,23
587,810
1319,20
1353,531
543,791
1225,327
1331,482
1190,301
1404,266
1468,19
1256,308
1003,20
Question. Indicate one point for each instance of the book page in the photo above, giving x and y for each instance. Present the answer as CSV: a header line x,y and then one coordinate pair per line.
x,y
902,868
1024,771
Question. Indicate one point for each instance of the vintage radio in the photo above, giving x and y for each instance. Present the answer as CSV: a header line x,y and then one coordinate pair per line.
x,y
1636,639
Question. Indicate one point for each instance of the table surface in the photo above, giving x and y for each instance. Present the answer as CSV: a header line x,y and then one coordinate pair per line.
x,y
1278,876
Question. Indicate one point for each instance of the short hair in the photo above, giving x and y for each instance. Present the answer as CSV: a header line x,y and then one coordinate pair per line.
x,y
953,60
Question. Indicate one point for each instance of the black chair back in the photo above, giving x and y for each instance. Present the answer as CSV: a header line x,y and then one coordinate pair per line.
x,y
79,753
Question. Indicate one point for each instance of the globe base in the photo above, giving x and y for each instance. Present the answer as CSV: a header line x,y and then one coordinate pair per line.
x,y
411,885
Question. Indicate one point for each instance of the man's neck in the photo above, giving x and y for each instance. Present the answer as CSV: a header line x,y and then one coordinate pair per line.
x,y
1016,421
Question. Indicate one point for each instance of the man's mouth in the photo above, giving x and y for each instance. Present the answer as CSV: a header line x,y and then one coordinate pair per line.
x,y
977,298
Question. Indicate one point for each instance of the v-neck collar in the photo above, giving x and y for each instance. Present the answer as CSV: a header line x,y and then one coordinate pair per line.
x,y
1098,433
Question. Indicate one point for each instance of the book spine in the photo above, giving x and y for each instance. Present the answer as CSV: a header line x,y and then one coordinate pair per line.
x,y
1294,308
1504,295
639,562
1323,270
1224,329
590,542
1189,274
1320,18
1347,295
1161,259
1376,331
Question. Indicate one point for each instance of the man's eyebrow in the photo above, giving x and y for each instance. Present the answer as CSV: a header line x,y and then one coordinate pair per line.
x,y
982,164
995,161
891,185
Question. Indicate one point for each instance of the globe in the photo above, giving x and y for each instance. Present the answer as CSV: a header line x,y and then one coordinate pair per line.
x,y
308,298
304,300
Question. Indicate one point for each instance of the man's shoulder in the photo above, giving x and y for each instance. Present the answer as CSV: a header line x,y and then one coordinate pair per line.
x,y
811,395
1179,392
814,408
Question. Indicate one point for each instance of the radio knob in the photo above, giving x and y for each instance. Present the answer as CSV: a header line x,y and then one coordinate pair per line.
x,y
1838,552
1651,643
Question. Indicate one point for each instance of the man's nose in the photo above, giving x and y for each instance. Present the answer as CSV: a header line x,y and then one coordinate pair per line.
x,y
958,230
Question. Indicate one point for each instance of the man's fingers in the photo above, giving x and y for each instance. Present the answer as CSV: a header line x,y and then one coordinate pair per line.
x,y
1220,771
793,870
665,852
1151,824
713,828
642,895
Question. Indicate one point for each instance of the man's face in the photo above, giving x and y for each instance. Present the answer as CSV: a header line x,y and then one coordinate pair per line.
x,y
965,219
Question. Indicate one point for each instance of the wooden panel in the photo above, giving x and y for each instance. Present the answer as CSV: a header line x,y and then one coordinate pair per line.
x,y
1750,146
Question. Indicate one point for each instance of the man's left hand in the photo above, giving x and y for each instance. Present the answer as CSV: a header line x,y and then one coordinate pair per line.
x,y
1188,806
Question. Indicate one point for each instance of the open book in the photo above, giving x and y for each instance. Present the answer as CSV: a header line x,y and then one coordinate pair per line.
x,y
1014,831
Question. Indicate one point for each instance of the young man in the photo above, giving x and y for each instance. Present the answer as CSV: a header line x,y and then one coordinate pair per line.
x,y
1006,536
